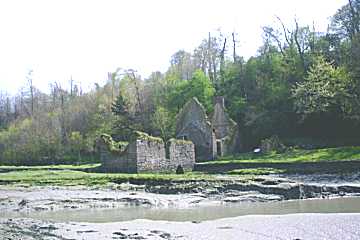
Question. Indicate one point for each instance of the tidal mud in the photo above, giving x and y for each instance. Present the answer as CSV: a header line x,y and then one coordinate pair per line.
x,y
25,210
296,226
170,194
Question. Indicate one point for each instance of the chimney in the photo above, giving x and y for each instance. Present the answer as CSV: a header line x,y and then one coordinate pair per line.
x,y
220,100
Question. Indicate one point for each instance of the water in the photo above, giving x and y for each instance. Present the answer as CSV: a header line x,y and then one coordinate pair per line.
x,y
200,213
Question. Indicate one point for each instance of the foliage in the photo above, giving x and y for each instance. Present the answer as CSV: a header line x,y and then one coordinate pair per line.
x,y
326,88
346,21
77,143
112,145
146,137
296,156
164,122
301,84
272,144
125,122
199,86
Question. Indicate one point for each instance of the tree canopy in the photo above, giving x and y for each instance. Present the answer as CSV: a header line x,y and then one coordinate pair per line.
x,y
302,85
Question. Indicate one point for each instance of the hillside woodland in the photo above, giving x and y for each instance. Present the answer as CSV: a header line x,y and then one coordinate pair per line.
x,y
302,86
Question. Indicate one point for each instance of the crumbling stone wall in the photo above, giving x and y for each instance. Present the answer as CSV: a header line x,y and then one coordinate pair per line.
x,y
182,153
146,154
192,124
226,129
113,158
150,156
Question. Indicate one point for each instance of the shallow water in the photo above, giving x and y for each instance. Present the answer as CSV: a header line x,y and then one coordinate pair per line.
x,y
199,213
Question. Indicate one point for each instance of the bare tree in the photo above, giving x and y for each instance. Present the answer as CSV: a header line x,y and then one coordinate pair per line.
x,y
234,46
222,62
131,74
31,88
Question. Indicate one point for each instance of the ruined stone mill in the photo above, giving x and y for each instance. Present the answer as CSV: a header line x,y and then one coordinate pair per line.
x,y
198,138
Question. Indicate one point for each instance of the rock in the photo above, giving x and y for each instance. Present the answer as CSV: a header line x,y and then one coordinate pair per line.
x,y
179,170
349,189
165,235
23,202
137,201
48,227
253,198
120,235
86,231
40,208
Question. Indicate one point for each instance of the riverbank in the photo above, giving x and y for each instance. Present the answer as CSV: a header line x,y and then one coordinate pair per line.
x,y
177,193
40,202
45,211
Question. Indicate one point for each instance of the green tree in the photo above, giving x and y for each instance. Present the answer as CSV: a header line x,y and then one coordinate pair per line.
x,y
125,122
181,91
77,143
325,89
164,122
346,21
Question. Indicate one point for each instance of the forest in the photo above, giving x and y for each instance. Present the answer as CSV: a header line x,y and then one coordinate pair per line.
x,y
302,86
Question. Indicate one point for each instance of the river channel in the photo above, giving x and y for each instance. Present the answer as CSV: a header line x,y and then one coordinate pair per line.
x,y
198,213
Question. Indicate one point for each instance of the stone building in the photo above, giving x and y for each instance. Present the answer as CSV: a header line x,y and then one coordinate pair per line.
x,y
145,154
212,139
226,129
193,124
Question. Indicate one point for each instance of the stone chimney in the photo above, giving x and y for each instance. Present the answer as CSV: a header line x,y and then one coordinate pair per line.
x,y
220,100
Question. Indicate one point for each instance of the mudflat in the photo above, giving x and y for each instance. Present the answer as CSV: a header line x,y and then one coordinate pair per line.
x,y
223,209
295,226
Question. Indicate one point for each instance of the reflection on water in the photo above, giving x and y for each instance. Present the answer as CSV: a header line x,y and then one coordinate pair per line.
x,y
201,213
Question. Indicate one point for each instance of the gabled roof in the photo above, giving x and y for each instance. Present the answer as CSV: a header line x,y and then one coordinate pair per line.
x,y
188,108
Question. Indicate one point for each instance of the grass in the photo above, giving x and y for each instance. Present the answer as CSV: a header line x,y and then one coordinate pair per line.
x,y
296,156
256,171
51,167
73,177
67,175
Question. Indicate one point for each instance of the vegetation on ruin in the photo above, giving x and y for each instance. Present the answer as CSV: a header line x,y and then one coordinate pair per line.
x,y
112,145
146,137
180,141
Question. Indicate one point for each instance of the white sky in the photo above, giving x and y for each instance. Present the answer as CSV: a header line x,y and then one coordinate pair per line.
x,y
86,39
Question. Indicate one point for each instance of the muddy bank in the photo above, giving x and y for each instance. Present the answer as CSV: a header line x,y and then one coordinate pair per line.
x,y
297,226
20,199
19,206
175,194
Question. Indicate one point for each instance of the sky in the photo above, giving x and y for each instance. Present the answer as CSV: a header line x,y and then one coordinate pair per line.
x,y
86,39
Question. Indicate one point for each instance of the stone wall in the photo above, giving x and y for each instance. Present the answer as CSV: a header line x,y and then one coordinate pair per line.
x,y
226,129
146,154
192,124
182,153
150,156
113,160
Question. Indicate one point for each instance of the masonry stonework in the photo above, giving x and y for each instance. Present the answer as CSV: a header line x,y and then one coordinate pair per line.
x,y
146,154
182,153
193,124
212,139
226,129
